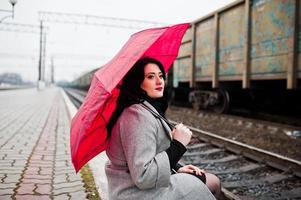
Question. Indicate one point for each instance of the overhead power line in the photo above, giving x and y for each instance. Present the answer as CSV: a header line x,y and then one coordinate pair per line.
x,y
63,56
71,18
4,55
21,28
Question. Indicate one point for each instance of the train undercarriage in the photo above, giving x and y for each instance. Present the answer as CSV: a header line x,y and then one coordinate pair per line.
x,y
268,96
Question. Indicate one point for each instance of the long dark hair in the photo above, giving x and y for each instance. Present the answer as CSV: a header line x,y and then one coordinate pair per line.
x,y
131,92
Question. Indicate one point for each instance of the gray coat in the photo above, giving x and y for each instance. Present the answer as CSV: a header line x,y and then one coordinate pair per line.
x,y
138,166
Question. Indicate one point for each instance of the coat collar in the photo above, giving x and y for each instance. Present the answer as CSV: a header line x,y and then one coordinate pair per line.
x,y
165,125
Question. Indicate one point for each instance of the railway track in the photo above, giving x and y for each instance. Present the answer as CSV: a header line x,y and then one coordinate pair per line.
x,y
284,118
246,172
76,96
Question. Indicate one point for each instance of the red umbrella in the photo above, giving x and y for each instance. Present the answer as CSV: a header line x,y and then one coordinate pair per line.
x,y
88,127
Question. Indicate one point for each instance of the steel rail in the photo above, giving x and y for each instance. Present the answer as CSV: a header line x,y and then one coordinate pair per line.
x,y
262,156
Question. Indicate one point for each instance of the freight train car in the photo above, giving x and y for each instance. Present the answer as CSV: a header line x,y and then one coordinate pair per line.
x,y
245,53
83,82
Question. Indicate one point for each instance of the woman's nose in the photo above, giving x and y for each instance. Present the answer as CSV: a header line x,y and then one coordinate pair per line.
x,y
158,80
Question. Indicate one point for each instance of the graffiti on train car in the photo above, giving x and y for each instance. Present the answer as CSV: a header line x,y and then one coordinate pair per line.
x,y
204,52
183,70
246,53
185,50
231,42
272,32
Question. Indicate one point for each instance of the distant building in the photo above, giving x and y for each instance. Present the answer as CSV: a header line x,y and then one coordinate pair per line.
x,y
11,78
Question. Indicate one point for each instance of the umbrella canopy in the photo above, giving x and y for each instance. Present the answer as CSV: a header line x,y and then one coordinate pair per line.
x,y
88,127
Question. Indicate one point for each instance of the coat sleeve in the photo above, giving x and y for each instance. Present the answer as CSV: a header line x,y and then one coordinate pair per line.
x,y
138,132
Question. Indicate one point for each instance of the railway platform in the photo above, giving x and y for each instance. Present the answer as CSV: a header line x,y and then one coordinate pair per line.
x,y
35,160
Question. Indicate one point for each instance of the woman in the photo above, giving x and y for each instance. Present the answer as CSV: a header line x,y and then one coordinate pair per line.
x,y
144,149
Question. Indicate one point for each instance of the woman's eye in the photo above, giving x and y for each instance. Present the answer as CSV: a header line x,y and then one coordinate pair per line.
x,y
150,77
161,76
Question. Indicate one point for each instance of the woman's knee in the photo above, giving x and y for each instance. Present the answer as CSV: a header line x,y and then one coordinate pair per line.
x,y
213,183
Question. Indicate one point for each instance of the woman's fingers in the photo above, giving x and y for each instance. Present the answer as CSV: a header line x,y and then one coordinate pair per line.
x,y
195,170
192,170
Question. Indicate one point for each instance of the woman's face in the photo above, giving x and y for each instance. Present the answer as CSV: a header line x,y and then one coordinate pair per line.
x,y
153,83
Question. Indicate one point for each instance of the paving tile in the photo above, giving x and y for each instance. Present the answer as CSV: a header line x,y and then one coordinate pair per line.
x,y
33,197
7,185
61,197
68,184
78,195
12,178
37,176
68,190
5,197
6,191
35,160
43,188
26,188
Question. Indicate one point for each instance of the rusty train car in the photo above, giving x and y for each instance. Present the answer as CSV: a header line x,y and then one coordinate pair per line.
x,y
245,53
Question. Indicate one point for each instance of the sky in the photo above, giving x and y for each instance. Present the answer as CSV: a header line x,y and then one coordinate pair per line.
x,y
74,49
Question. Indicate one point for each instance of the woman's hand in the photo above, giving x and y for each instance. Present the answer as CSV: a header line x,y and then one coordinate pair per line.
x,y
191,169
182,134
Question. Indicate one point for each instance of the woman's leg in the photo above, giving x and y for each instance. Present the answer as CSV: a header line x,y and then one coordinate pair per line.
x,y
214,184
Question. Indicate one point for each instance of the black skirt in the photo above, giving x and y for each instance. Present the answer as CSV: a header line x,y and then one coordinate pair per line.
x,y
201,177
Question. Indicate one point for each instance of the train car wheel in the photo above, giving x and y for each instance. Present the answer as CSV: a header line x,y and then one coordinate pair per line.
x,y
196,105
222,103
